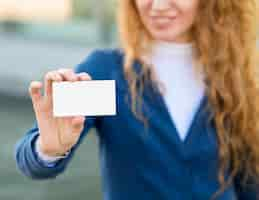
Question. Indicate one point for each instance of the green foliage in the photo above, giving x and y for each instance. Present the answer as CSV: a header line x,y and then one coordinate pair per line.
x,y
82,9
89,8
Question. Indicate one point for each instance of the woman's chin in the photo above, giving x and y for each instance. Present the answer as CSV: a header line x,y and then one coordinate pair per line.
x,y
166,36
163,37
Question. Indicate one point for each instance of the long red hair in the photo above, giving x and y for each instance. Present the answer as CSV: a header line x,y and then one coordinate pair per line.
x,y
224,35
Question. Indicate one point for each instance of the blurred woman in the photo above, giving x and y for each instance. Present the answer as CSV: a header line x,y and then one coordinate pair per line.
x,y
187,116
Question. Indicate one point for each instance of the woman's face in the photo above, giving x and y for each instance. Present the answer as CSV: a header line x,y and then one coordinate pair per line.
x,y
168,20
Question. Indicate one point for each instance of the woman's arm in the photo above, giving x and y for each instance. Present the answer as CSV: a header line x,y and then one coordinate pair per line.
x,y
29,163
27,160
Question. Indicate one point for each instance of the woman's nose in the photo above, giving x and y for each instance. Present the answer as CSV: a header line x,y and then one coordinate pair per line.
x,y
160,4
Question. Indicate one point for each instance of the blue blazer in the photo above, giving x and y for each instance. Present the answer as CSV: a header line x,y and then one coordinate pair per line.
x,y
157,165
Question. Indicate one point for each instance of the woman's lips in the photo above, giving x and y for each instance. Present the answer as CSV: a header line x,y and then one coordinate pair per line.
x,y
163,17
162,20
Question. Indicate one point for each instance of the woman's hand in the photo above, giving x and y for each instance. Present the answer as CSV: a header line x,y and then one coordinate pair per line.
x,y
57,134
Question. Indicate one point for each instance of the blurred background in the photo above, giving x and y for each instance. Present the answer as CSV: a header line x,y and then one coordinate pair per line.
x,y
35,37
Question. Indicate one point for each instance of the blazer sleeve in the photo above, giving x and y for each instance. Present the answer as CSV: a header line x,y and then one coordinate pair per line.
x,y
25,156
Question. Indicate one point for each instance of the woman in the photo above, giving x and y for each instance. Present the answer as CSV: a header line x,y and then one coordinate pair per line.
x,y
176,59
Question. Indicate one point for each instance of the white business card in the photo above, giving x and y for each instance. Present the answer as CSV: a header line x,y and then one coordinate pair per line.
x,y
87,98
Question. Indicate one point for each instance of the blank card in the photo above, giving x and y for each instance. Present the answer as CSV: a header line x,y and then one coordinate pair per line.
x,y
87,98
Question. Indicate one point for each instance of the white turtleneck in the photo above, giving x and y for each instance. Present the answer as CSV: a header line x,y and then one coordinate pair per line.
x,y
184,87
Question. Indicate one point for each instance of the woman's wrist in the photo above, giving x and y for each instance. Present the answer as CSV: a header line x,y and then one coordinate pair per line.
x,y
46,157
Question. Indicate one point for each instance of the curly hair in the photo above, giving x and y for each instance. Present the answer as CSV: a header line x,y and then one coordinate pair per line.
x,y
224,35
